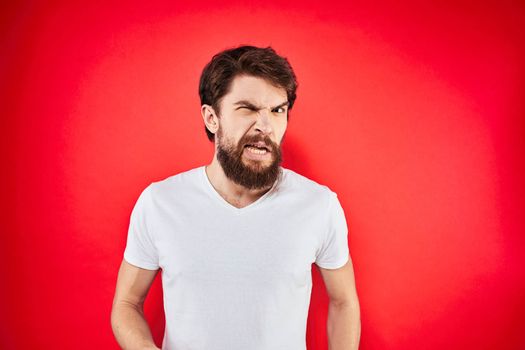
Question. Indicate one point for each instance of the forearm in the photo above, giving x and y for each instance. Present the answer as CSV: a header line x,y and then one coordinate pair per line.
x,y
130,327
343,327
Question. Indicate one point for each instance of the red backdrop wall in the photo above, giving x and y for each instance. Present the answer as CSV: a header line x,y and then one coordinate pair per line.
x,y
413,114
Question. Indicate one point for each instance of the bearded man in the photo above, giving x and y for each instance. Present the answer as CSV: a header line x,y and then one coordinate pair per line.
x,y
236,239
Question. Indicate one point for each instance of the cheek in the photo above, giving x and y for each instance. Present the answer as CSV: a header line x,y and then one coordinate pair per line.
x,y
241,125
235,131
280,128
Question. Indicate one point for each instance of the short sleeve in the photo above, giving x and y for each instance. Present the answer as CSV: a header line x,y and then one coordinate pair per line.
x,y
140,248
334,252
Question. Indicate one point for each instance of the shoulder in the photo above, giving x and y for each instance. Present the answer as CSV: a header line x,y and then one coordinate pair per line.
x,y
300,184
179,183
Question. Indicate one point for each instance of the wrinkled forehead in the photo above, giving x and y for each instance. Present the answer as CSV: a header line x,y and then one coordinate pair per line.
x,y
258,91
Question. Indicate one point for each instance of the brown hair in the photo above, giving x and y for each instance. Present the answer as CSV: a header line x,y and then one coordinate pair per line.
x,y
265,63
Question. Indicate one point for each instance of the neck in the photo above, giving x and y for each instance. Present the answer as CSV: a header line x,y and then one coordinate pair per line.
x,y
235,194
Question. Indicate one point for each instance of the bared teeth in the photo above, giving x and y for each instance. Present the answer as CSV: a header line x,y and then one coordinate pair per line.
x,y
257,150
258,147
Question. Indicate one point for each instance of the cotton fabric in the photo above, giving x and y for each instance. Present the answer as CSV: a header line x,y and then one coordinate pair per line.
x,y
236,278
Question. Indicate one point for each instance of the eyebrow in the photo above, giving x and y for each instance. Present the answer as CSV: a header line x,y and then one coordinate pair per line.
x,y
251,105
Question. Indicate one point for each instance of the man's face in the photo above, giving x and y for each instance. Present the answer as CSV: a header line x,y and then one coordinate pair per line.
x,y
252,124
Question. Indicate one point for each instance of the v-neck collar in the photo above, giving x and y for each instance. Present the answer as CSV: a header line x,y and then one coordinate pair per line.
x,y
220,200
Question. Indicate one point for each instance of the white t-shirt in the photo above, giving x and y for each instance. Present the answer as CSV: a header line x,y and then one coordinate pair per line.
x,y
236,278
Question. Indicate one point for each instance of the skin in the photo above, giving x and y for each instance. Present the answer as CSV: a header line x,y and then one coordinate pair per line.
x,y
258,114
127,313
344,317
251,107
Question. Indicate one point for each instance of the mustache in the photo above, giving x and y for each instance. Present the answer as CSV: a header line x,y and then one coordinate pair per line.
x,y
256,139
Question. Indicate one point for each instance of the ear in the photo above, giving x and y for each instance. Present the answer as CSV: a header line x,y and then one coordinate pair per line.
x,y
211,120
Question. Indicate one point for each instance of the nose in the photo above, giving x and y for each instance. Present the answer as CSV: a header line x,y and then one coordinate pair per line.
x,y
263,123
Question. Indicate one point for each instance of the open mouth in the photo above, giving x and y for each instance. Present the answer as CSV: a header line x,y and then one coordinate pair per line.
x,y
257,148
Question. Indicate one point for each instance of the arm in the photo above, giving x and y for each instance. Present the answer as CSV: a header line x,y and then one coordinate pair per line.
x,y
127,314
344,323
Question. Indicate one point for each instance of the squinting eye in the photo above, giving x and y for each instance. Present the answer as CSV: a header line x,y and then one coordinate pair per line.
x,y
246,108
279,110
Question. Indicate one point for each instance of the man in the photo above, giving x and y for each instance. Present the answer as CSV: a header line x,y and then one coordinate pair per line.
x,y
236,239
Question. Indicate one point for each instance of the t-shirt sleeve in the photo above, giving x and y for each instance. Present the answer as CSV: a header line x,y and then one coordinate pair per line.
x,y
334,252
140,248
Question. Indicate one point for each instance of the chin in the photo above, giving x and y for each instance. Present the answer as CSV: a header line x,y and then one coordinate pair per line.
x,y
257,163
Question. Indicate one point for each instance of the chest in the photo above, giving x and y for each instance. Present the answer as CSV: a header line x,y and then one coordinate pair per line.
x,y
214,241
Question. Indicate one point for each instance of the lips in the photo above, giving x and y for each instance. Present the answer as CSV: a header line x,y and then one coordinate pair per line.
x,y
260,145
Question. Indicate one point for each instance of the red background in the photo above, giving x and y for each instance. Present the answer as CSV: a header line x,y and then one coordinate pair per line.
x,y
413,114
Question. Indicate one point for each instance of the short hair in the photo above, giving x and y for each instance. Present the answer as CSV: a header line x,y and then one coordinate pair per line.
x,y
218,74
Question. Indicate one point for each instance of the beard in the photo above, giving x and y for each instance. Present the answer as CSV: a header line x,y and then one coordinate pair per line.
x,y
254,175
